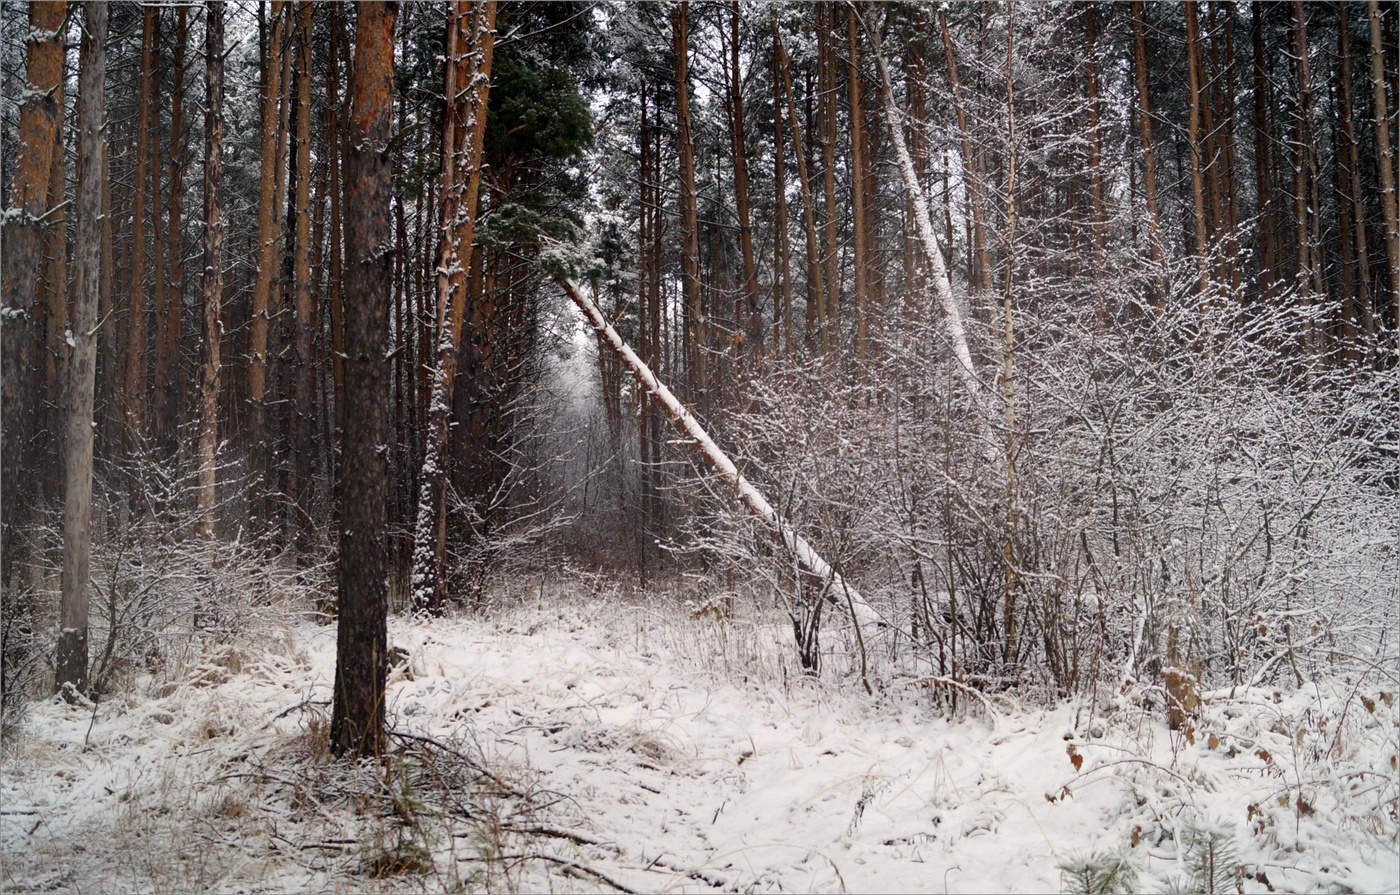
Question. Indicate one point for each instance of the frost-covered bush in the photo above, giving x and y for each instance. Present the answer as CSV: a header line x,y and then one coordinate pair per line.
x,y
1187,485
157,591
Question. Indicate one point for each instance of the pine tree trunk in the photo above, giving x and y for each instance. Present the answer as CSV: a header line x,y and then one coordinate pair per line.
x,y
1351,186
357,716
983,279
1385,162
829,306
782,276
696,328
269,234
38,144
1149,162
160,295
1091,92
337,280
471,40
71,655
1198,193
815,289
753,314
302,371
168,341
1304,169
212,279
47,445
860,224
1268,238
132,392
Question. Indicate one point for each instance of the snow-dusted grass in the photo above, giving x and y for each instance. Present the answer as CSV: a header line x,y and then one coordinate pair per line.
x,y
572,745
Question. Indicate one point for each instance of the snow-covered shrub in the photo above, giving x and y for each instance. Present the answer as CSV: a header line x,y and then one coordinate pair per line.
x,y
158,593
1184,468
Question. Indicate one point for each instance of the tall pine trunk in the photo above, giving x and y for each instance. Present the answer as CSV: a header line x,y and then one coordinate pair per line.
x,y
38,144
212,279
753,315
71,655
168,339
1149,160
696,339
471,41
1385,166
269,235
357,715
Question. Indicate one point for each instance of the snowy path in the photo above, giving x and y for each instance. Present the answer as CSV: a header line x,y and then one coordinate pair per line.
x,y
687,756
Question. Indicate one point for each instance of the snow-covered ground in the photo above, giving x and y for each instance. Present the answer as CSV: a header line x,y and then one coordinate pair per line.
x,y
617,745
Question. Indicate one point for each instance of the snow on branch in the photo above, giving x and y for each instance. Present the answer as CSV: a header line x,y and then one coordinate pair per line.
x,y
690,427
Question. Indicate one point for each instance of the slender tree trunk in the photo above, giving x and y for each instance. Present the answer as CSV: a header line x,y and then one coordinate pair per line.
x,y
1227,176
337,279
860,164
970,167
692,431
1198,194
1304,173
1268,238
71,655
647,334
815,289
1352,181
160,296
1149,162
54,319
782,276
38,144
696,328
1385,162
212,279
933,255
754,315
168,341
269,233
829,310
471,38
1091,91
302,428
132,392
357,716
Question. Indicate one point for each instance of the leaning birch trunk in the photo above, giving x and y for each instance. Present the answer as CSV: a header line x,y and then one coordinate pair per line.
x,y
928,241
689,426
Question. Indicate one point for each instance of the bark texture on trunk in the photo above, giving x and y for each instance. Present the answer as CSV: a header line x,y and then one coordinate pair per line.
x,y
1385,161
212,278
71,655
40,124
357,717
471,41
696,330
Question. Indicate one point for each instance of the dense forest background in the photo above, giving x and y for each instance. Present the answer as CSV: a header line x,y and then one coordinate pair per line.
x,y
1067,333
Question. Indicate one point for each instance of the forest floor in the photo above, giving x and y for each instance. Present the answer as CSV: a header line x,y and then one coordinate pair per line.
x,y
612,745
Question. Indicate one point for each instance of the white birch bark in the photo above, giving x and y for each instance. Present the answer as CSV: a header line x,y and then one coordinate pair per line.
x,y
719,460
928,240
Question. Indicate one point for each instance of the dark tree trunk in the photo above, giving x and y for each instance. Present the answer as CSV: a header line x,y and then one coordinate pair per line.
x,y
357,717
40,125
